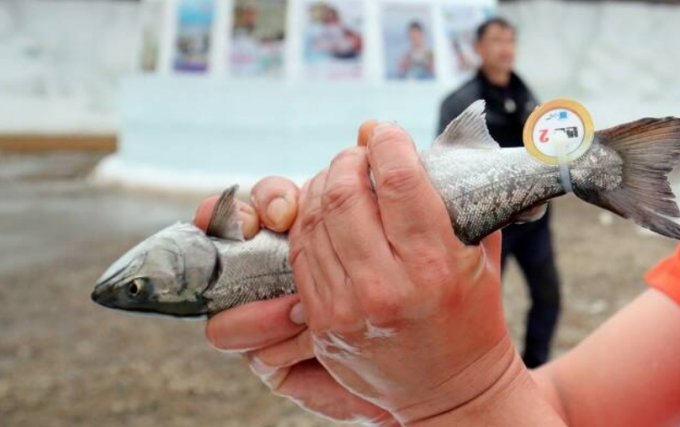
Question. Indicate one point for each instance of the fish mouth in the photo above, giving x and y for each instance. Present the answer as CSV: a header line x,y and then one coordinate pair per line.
x,y
103,293
99,294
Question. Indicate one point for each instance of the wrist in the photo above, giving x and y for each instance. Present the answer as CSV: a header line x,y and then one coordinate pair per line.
x,y
512,399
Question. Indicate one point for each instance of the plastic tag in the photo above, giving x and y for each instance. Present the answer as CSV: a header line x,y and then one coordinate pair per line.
x,y
558,132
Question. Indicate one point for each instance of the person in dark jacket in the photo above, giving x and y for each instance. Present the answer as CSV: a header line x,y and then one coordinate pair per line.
x,y
508,105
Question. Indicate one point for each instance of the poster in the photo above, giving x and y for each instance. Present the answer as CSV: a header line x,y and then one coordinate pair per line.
x,y
194,34
333,39
258,38
460,23
407,41
151,23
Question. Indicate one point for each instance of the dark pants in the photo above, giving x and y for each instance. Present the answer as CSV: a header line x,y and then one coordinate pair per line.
x,y
531,245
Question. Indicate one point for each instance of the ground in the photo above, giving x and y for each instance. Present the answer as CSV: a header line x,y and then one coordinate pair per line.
x,y
66,362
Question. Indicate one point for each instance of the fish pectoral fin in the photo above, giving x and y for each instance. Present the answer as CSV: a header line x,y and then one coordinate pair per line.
x,y
468,130
223,222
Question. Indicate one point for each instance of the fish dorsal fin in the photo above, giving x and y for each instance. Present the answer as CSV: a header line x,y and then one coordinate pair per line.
x,y
468,130
223,223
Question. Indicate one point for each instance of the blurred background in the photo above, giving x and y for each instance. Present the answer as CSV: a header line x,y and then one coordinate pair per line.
x,y
117,117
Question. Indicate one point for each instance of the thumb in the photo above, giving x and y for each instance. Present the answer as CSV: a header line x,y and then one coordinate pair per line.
x,y
276,201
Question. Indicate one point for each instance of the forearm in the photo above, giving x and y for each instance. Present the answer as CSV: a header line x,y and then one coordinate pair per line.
x,y
625,374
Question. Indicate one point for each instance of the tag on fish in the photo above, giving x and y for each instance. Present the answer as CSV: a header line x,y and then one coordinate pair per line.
x,y
182,271
560,120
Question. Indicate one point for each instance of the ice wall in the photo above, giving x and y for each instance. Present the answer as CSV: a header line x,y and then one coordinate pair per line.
x,y
61,63
620,58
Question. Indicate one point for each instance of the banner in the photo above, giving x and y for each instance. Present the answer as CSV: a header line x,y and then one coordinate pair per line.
x,y
333,39
194,35
151,22
460,23
407,41
258,38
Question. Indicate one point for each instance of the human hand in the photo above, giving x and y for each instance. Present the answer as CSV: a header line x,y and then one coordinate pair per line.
x,y
399,310
281,352
272,335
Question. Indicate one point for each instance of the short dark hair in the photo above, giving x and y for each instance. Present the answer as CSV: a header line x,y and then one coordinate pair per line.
x,y
483,28
415,25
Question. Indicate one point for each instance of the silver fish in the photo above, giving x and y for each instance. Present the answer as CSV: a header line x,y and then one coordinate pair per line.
x,y
184,272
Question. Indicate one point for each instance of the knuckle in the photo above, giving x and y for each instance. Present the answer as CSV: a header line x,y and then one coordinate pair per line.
x,y
431,265
382,303
344,318
400,181
340,196
310,220
385,309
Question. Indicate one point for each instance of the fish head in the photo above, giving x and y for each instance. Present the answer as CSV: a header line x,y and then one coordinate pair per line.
x,y
165,274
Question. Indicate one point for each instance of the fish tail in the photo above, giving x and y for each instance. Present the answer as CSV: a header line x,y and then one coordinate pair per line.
x,y
649,149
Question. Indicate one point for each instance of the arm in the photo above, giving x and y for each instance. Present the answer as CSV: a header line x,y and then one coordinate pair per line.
x,y
626,373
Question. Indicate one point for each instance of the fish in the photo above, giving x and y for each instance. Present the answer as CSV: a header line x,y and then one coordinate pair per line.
x,y
182,271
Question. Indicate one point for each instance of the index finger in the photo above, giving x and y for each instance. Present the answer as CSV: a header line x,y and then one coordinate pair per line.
x,y
412,211
255,325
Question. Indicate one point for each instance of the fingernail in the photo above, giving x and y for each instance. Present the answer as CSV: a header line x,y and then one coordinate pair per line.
x,y
277,209
260,368
297,314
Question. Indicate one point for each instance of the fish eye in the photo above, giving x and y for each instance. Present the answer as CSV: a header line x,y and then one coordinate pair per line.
x,y
135,287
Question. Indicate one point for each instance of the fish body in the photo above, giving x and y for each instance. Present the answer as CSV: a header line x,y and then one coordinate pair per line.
x,y
510,180
182,271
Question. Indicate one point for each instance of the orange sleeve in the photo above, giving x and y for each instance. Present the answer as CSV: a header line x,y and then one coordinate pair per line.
x,y
665,276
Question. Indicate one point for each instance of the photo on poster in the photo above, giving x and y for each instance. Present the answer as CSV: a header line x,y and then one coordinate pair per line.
x,y
460,23
333,39
151,32
194,35
258,38
408,41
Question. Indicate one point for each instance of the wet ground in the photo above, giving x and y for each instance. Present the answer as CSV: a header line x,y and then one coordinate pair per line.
x,y
66,362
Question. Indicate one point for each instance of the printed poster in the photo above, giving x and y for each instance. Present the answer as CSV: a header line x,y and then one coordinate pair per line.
x,y
460,24
333,39
258,38
408,41
194,34
151,23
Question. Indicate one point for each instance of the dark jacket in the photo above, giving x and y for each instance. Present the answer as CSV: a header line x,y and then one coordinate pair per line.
x,y
505,127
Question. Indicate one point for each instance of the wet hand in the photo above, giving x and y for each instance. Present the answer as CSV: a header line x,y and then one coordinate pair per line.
x,y
272,335
399,310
